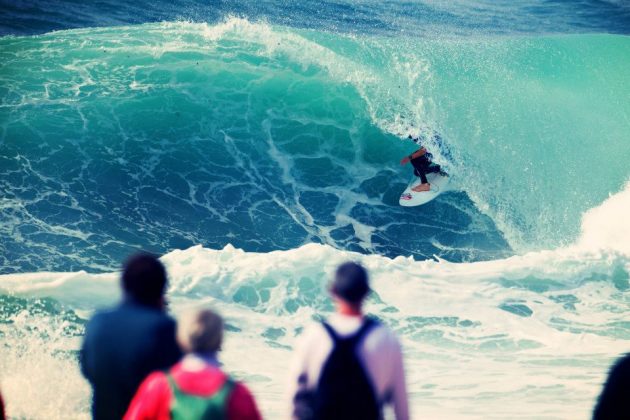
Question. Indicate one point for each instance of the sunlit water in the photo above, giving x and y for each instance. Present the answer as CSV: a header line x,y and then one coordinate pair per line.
x,y
258,147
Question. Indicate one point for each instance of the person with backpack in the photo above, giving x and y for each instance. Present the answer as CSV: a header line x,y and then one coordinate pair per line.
x,y
349,366
196,388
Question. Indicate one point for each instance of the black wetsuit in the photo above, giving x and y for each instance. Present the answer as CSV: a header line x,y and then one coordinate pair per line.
x,y
422,166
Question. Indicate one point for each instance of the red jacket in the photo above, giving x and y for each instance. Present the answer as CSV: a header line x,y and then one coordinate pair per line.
x,y
193,376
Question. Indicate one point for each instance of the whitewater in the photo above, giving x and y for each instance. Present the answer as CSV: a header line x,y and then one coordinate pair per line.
x,y
255,155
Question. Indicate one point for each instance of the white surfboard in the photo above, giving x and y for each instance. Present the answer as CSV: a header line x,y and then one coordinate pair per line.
x,y
410,198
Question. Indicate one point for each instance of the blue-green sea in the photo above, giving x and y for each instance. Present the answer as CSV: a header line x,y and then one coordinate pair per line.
x,y
255,147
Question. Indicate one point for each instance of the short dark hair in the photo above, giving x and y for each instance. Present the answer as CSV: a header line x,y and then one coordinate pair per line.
x,y
351,282
144,278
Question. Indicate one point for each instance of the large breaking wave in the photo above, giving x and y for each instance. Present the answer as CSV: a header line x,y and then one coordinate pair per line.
x,y
256,157
163,136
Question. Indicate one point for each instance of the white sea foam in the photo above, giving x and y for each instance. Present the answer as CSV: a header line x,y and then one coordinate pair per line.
x,y
526,336
608,225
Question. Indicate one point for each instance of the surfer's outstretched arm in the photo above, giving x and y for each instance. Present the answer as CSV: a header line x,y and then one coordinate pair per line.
x,y
416,154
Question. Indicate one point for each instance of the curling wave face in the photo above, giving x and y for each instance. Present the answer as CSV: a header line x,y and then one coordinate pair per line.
x,y
163,136
256,157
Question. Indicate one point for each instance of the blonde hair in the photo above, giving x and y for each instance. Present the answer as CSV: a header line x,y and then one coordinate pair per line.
x,y
200,331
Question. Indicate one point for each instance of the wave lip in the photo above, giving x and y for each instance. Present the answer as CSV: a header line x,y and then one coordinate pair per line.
x,y
417,19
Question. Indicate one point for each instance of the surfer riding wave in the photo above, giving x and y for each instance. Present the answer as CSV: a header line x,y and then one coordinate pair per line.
x,y
422,164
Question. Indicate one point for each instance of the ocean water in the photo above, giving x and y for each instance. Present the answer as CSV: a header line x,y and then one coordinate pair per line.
x,y
256,146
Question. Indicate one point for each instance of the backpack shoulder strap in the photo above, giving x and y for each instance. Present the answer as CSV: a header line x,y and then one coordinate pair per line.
x,y
224,392
368,324
331,332
175,389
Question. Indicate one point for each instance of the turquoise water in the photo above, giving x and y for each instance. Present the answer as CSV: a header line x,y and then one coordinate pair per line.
x,y
255,157
164,136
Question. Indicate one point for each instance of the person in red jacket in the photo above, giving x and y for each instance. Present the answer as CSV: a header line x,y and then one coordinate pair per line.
x,y
196,387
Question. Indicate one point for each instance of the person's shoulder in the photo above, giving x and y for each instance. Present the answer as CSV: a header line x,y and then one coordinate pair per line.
x,y
106,312
133,316
383,333
120,310
311,335
154,388
240,388
147,314
621,367
623,361
161,323
164,318
156,378
103,316
242,404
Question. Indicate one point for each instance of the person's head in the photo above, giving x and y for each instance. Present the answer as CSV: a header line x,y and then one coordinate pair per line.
x,y
144,279
350,284
200,331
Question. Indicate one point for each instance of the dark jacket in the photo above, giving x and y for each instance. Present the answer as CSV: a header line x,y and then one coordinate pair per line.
x,y
614,401
121,347
2,415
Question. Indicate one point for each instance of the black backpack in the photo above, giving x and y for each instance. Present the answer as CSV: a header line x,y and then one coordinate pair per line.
x,y
344,390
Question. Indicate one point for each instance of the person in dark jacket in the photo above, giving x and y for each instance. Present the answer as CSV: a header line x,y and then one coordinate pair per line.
x,y
2,414
614,401
124,344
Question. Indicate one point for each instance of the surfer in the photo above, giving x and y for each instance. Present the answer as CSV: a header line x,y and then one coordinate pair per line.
x,y
422,164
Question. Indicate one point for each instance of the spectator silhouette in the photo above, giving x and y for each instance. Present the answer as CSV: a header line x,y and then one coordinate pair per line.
x,y
195,388
2,413
350,366
614,401
124,344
